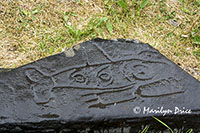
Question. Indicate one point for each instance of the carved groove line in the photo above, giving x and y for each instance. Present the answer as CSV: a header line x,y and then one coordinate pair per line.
x,y
104,76
154,86
104,52
93,65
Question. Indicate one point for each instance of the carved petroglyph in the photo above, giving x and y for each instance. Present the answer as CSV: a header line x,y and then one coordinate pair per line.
x,y
158,88
105,81
41,85
106,84
149,54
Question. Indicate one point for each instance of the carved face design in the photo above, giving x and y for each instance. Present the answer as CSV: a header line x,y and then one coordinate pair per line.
x,y
92,76
115,75
41,86
100,85
120,78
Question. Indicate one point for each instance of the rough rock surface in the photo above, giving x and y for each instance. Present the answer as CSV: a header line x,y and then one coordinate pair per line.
x,y
99,86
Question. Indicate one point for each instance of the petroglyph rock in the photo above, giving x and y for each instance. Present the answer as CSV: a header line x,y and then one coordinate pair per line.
x,y
114,85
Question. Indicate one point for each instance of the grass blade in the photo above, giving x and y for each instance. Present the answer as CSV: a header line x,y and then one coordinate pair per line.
x,y
65,18
109,27
163,124
145,129
190,131
123,4
144,3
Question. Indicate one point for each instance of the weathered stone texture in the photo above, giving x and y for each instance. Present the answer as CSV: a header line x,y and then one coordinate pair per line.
x,y
97,85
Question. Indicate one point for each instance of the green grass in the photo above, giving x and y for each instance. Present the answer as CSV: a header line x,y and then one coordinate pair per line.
x,y
164,124
33,30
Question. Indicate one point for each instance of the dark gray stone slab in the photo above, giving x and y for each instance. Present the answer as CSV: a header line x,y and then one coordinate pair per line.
x,y
99,85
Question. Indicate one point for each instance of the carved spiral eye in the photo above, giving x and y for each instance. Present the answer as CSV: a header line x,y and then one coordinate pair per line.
x,y
79,78
142,72
105,76
140,69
